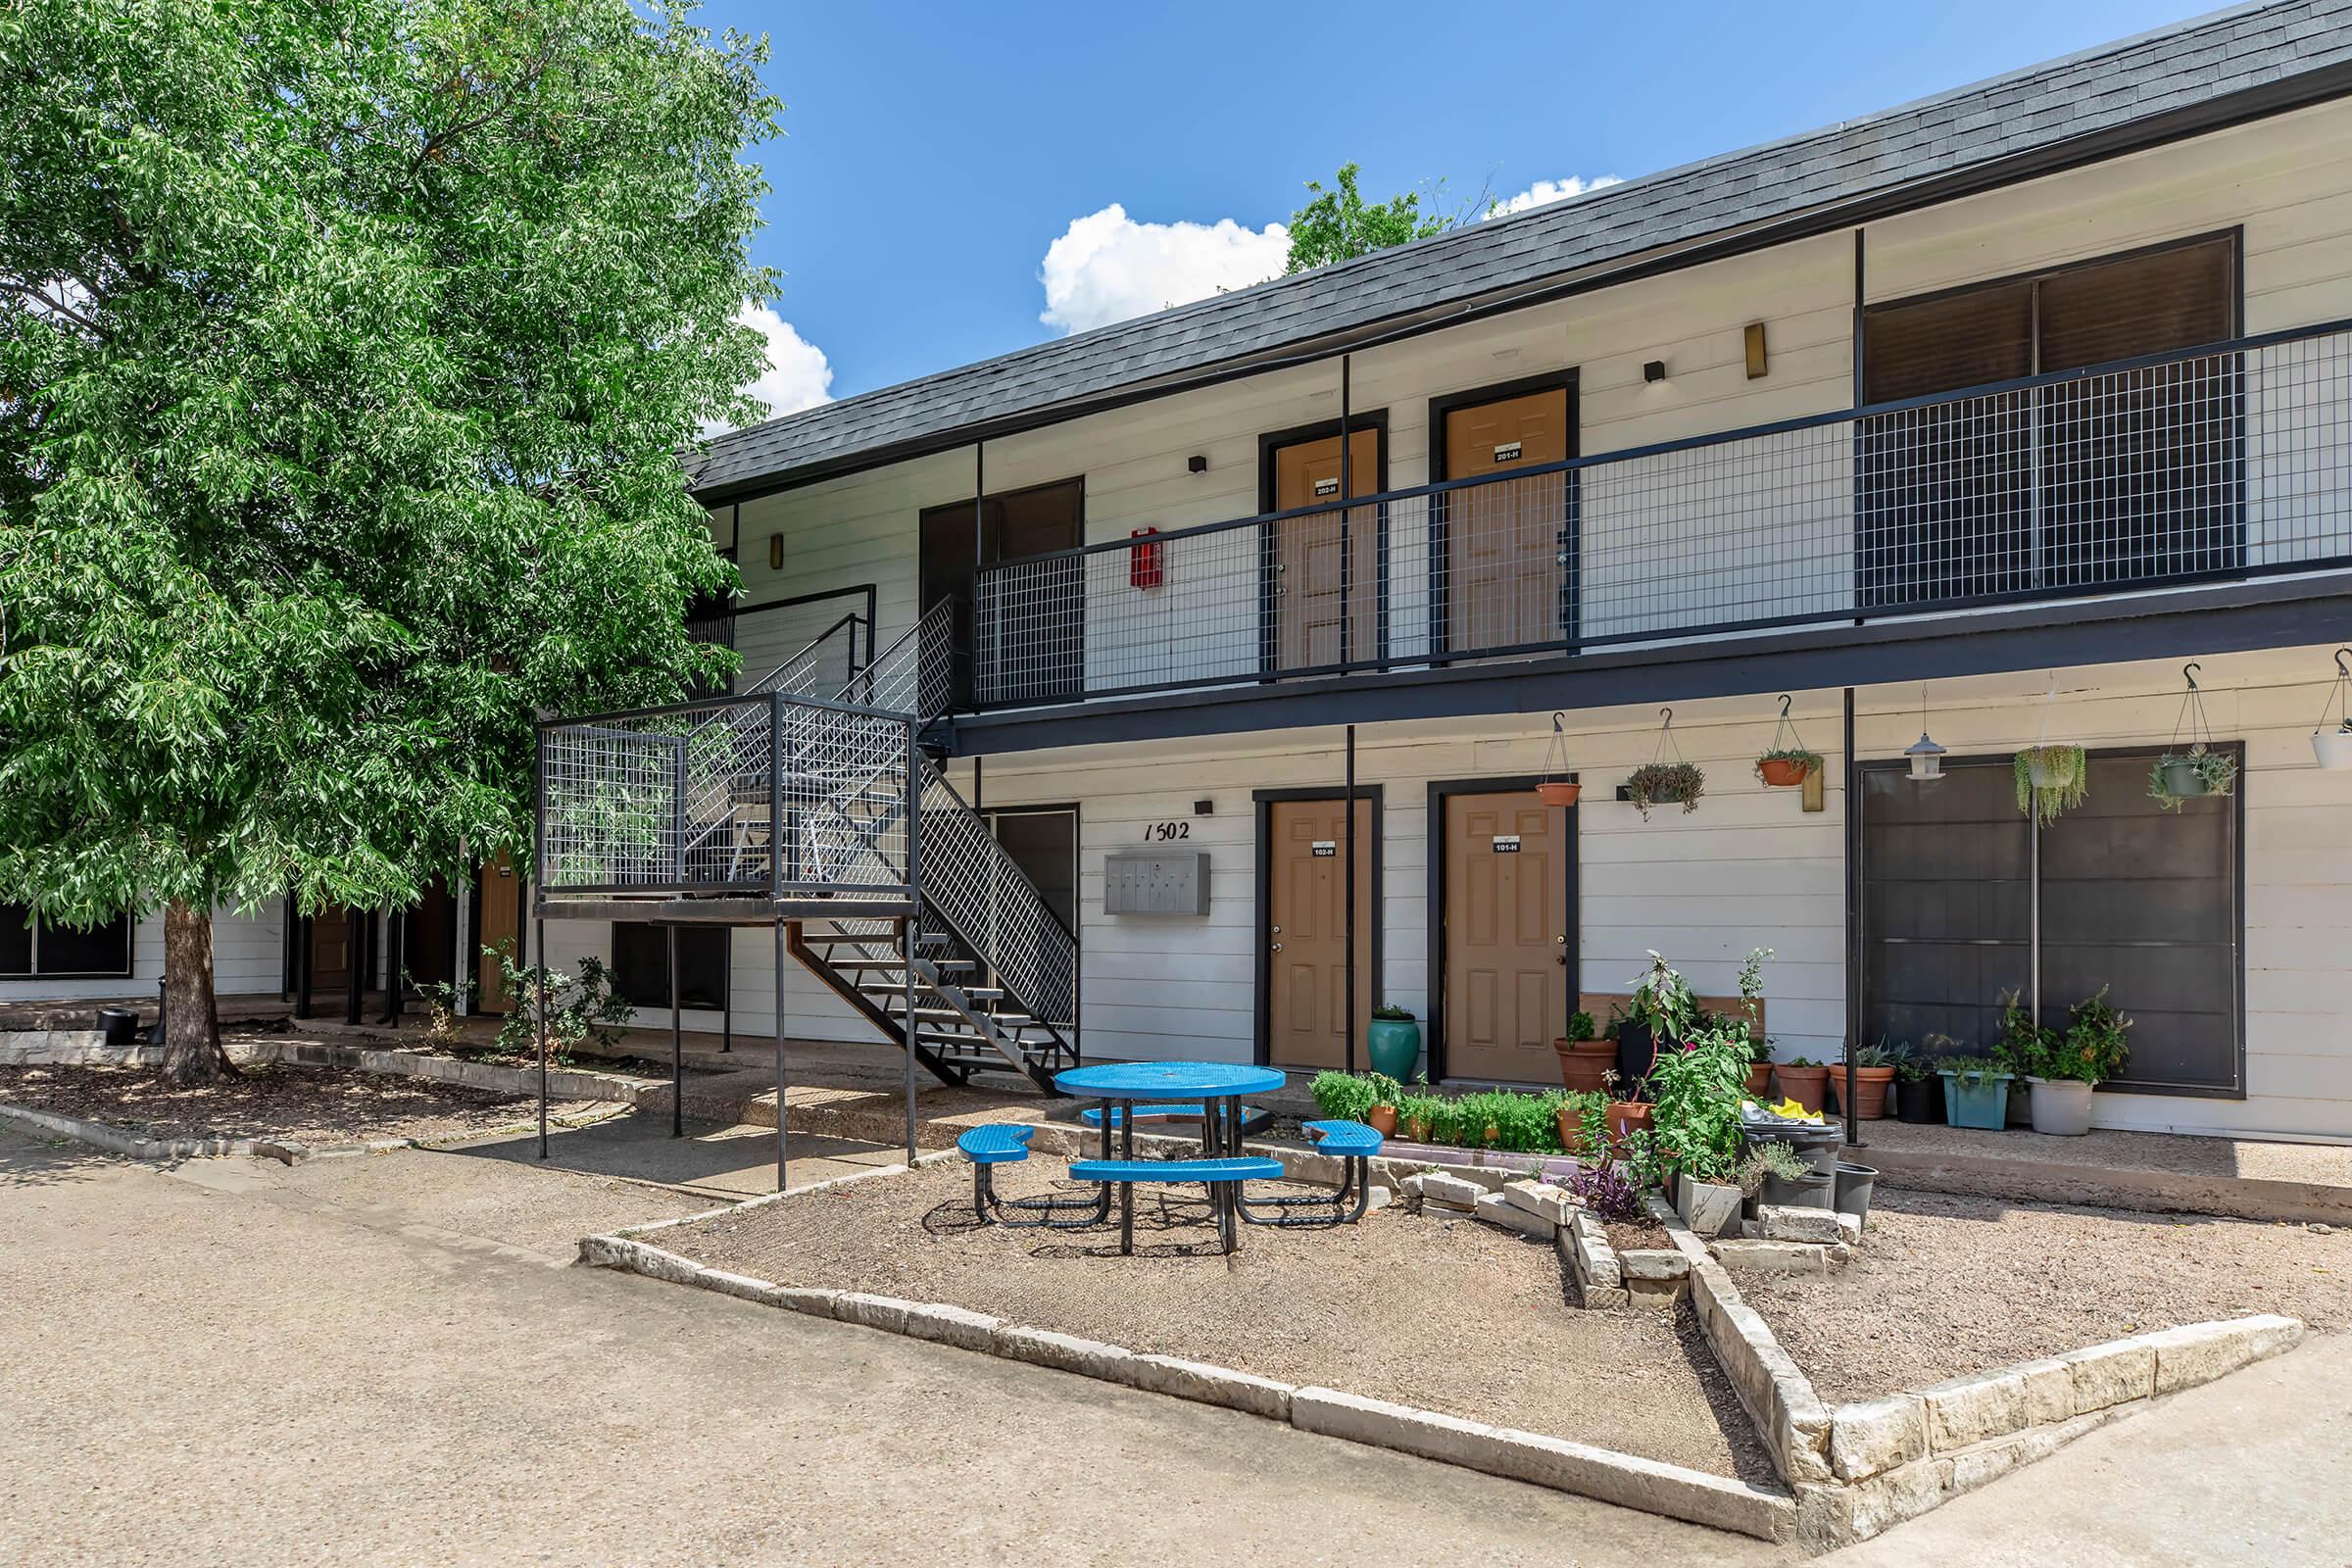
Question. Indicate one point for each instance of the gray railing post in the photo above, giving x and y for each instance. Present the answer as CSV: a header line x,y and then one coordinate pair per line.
x,y
677,819
915,815
775,834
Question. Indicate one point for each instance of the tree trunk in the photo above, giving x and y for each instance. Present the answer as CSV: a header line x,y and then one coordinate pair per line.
x,y
192,1053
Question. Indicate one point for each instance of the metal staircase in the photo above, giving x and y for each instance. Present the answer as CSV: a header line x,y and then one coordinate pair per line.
x,y
809,801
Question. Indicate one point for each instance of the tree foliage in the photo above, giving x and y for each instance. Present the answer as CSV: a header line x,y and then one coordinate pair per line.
x,y
346,356
1338,224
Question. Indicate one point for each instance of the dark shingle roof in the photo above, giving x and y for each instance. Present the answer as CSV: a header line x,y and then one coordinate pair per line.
x,y
2187,66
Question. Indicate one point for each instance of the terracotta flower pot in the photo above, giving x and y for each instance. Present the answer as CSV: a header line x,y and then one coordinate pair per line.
x,y
1572,1129
1416,1131
1870,1090
1381,1119
1804,1085
1781,773
1559,794
1627,1117
1760,1078
1584,1063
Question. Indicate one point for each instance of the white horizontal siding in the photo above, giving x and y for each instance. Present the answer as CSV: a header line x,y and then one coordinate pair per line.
x,y
248,960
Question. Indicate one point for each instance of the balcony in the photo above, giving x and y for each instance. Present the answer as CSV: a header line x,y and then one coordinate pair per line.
x,y
2227,462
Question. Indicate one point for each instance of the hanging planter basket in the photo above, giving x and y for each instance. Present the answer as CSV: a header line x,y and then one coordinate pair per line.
x,y
1557,787
2333,744
2195,772
1659,782
2051,779
1787,763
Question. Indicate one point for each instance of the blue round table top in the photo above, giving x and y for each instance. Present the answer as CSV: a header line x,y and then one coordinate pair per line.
x,y
1169,1080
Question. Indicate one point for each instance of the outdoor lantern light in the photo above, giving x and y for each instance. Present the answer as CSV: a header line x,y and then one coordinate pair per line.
x,y
1926,757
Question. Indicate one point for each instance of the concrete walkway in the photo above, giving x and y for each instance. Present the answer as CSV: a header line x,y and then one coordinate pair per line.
x,y
2256,1468
388,1359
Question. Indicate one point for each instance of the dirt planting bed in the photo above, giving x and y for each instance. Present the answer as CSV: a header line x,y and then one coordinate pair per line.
x,y
1450,1314
1945,1286
315,1105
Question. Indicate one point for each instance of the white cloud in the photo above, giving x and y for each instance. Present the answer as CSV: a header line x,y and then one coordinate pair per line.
x,y
797,375
1544,192
1106,266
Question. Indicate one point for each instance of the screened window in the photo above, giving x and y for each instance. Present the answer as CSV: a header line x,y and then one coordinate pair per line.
x,y
32,948
641,966
1961,894
2109,478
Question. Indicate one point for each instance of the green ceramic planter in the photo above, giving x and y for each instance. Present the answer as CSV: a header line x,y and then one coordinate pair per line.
x,y
1396,1045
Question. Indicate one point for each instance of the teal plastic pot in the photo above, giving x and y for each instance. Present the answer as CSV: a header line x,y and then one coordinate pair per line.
x,y
1979,1102
1396,1045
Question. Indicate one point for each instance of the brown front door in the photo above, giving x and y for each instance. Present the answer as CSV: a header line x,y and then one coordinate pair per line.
x,y
1507,926
502,924
1505,542
1306,931
1310,632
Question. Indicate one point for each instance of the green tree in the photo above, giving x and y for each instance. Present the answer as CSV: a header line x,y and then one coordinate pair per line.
x,y
1338,224
346,356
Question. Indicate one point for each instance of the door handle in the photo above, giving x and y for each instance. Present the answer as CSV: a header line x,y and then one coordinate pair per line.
x,y
1276,948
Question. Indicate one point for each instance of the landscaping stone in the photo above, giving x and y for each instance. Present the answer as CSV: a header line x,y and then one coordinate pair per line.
x,y
1652,1263
1972,1409
2049,1390
1359,1419
2202,1351
1709,1208
1378,1197
874,1311
1654,1293
1782,1222
1875,1435
2114,1373
1437,1187
1850,1228
1497,1209
1211,1385
1806,1258
1542,1198
953,1325
1065,1353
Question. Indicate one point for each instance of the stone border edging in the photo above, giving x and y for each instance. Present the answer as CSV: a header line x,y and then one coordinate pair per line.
x,y
1625,1479
1863,1467
120,1141
2256,1198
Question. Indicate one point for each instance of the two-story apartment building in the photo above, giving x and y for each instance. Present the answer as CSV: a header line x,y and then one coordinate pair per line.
x,y
1249,628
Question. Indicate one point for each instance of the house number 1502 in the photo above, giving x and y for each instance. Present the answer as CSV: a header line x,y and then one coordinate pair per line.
x,y
1161,832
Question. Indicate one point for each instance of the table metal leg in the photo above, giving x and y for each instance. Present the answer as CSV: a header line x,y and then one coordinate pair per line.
x,y
1126,1188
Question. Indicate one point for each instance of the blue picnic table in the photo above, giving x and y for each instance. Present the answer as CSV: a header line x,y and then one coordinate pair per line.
x,y
1217,1086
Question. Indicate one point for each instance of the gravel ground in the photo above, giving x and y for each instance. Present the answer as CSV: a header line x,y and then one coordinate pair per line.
x,y
1452,1315
1943,1286
299,1104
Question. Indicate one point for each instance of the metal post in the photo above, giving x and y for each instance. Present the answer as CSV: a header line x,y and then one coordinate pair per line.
x,y
912,927
302,965
780,1116
677,1047
539,1021
355,974
395,929
726,997
1346,557
1349,835
1853,918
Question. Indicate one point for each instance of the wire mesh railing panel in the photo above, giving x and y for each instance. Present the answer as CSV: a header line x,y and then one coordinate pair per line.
x,y
914,675
988,901
818,667
650,802
2203,463
841,785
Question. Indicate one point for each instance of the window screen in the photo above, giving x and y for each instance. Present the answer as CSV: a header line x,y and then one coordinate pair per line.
x,y
641,966
2132,898
2110,478
30,948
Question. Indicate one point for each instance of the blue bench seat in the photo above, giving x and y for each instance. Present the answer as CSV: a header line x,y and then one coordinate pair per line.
x,y
1168,1171
997,1143
1343,1137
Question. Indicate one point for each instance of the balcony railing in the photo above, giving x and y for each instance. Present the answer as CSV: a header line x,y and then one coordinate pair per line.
x,y
2231,459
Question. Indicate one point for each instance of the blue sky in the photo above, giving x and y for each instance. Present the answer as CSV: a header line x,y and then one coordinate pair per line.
x,y
934,154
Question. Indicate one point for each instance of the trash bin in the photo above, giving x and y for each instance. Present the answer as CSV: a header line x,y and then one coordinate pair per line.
x,y
118,1026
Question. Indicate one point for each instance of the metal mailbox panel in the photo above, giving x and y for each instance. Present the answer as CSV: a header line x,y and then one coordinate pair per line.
x,y
1156,882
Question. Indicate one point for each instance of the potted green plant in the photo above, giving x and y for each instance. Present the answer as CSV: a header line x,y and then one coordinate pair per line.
x,y
1393,1040
2181,776
1751,1003
1342,1096
1665,784
1918,1092
1695,1095
2051,779
1874,1075
1381,1115
2069,1065
1584,1053
2333,747
1976,1092
1786,765
1421,1116
1661,1011
1785,1178
1804,1080
1625,1116
1574,1115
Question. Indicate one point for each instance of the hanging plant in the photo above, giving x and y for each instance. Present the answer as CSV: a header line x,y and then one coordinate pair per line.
x,y
2198,770
2051,780
1659,782
2333,747
1787,763
1666,784
1556,787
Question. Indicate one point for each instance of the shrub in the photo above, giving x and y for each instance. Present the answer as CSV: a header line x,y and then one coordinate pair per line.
x,y
2092,1049
1694,1096
1607,1189
1390,1013
577,1010
1342,1096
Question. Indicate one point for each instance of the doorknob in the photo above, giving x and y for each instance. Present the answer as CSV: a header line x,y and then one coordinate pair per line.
x,y
1276,948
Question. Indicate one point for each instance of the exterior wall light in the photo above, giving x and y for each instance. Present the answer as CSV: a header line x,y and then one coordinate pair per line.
x,y
1926,757
1654,371
775,551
